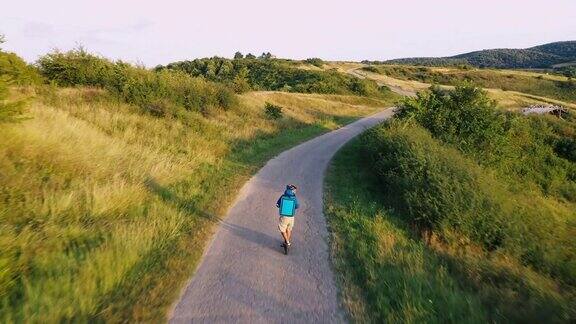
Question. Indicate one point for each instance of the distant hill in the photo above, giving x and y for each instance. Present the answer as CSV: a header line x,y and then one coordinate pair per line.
x,y
543,56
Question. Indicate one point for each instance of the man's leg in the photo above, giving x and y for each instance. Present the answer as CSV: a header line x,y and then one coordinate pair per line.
x,y
288,235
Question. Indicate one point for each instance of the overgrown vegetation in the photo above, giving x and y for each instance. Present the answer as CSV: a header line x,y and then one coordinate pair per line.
x,y
9,111
105,211
14,72
533,84
160,93
317,62
273,111
518,147
105,208
568,71
276,74
491,198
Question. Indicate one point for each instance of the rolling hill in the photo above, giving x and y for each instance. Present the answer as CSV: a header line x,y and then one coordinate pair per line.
x,y
542,56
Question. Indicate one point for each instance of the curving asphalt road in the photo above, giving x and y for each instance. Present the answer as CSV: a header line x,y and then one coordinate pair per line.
x,y
244,276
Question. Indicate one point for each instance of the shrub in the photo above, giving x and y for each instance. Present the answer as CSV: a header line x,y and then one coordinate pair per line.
x,y
18,72
519,148
9,111
371,69
569,72
274,74
366,87
566,148
158,92
315,61
447,280
440,190
241,83
485,192
464,117
437,185
273,111
77,67
14,71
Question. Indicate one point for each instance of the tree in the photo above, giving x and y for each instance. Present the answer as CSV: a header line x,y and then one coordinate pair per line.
x,y
238,55
266,56
315,61
210,70
2,39
250,56
241,83
569,72
225,70
465,117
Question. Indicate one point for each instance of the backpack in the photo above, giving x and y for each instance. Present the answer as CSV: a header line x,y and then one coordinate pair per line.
x,y
287,206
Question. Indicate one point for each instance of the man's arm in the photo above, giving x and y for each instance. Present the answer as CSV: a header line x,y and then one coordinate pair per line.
x,y
278,202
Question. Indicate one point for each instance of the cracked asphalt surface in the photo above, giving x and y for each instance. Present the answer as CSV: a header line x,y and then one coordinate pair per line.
x,y
244,275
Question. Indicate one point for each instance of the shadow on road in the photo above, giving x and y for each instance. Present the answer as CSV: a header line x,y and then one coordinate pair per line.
x,y
188,207
253,236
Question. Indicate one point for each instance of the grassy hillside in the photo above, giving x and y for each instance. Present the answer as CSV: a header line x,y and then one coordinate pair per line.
x,y
507,100
457,213
276,74
551,86
543,56
105,211
109,189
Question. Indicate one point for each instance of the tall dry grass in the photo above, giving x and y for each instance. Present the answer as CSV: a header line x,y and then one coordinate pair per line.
x,y
105,210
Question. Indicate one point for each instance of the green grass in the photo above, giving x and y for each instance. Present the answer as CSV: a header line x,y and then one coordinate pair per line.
x,y
105,209
456,201
386,273
389,273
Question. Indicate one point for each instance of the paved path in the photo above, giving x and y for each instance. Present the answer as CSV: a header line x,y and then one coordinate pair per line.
x,y
244,276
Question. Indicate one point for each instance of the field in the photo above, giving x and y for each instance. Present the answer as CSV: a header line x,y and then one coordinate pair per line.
x,y
105,209
507,99
537,84
113,178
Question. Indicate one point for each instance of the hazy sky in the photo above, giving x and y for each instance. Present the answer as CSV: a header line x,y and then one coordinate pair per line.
x,y
159,32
